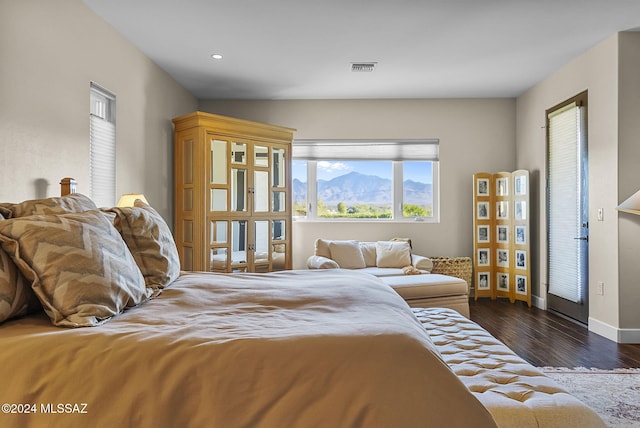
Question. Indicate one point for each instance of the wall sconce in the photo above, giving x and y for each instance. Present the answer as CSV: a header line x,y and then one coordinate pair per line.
x,y
128,199
631,205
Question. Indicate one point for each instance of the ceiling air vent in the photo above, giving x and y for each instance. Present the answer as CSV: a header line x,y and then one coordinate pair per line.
x,y
363,66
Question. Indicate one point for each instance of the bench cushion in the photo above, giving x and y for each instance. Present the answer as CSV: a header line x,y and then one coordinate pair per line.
x,y
429,285
515,393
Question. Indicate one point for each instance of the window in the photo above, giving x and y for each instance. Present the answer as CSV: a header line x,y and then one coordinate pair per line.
x,y
357,179
102,146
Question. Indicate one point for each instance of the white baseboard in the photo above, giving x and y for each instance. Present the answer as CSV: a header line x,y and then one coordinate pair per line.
x,y
539,302
619,335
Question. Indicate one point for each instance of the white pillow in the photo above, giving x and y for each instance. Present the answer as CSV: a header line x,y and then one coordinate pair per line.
x,y
393,254
347,254
369,253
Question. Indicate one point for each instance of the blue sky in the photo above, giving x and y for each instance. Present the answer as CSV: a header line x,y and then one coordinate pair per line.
x,y
327,170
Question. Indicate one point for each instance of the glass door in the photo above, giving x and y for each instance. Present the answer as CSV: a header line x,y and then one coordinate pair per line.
x,y
567,209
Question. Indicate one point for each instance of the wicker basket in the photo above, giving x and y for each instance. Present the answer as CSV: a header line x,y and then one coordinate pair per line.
x,y
460,267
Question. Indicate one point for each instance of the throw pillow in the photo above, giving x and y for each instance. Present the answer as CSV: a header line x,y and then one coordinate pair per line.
x,y
393,254
369,253
150,241
347,254
16,295
73,203
79,266
322,248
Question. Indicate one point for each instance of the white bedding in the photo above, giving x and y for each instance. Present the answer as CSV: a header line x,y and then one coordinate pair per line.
x,y
289,349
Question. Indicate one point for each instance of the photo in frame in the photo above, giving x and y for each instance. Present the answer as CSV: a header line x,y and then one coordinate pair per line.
x,y
521,235
502,186
521,210
483,233
502,210
521,260
483,210
503,281
483,281
483,186
483,257
502,234
503,258
520,184
521,284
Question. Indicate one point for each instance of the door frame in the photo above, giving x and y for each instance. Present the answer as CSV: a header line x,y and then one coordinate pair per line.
x,y
578,311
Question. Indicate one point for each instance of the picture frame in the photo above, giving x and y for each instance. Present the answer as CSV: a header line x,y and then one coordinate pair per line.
x,y
483,257
520,185
502,186
502,234
483,211
521,284
502,256
521,235
503,281
521,260
484,281
520,208
482,186
502,210
483,233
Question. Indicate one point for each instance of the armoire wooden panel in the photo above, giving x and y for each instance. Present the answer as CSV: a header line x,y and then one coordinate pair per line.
x,y
233,189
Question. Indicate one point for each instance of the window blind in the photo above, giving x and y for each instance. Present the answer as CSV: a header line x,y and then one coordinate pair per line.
x,y
393,150
102,147
563,202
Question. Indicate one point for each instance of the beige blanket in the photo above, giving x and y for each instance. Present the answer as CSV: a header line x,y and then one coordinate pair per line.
x,y
289,349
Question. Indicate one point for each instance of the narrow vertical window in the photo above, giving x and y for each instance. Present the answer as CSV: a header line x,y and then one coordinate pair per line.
x,y
102,146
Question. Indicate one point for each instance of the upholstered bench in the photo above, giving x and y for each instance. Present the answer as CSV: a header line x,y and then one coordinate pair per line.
x,y
431,290
515,393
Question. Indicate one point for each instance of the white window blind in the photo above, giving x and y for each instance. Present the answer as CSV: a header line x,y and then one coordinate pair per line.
x,y
102,143
390,150
563,202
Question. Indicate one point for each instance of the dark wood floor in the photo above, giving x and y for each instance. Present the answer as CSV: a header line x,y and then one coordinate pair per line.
x,y
546,339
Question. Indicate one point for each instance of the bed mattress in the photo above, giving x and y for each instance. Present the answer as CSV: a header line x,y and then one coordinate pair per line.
x,y
287,349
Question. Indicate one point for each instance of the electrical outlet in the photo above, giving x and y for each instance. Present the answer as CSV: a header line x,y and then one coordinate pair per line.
x,y
601,288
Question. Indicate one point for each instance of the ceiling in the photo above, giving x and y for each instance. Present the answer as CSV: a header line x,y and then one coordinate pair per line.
x,y
303,49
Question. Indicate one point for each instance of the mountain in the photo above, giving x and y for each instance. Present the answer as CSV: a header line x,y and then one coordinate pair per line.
x,y
360,188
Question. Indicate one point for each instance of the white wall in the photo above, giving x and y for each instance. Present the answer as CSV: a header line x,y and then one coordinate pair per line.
x,y
50,52
475,135
629,182
613,160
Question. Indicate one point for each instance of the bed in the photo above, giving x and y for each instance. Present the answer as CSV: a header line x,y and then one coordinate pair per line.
x,y
104,345
100,327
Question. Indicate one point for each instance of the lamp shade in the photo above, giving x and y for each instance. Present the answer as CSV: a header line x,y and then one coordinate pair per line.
x,y
631,205
128,199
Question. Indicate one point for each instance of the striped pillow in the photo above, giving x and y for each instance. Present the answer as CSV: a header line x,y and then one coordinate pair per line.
x,y
16,296
150,241
79,266
73,203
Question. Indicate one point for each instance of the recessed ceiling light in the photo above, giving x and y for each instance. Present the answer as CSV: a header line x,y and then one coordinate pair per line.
x,y
216,56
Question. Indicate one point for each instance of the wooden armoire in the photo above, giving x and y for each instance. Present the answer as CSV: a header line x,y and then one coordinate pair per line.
x,y
232,194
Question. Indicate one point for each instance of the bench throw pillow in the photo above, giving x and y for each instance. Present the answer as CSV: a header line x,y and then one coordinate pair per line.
x,y
393,254
78,265
347,254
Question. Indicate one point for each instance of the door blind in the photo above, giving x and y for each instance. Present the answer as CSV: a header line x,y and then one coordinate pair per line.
x,y
564,203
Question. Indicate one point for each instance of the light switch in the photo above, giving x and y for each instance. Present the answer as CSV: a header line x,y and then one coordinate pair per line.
x,y
600,214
